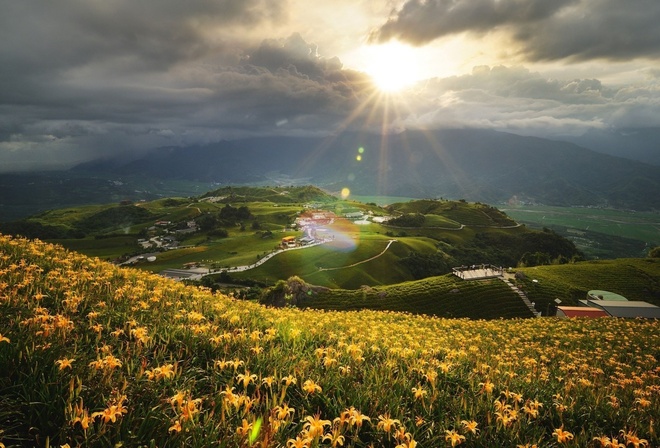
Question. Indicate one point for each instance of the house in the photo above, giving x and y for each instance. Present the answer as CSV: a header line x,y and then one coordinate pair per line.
x,y
625,308
289,241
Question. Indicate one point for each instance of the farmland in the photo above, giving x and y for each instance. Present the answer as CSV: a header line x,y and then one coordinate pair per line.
x,y
97,355
600,233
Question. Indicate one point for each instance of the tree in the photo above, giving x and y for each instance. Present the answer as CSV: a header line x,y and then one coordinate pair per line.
x,y
655,252
207,222
286,293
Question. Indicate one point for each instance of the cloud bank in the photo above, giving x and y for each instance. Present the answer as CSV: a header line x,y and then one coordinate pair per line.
x,y
84,79
540,29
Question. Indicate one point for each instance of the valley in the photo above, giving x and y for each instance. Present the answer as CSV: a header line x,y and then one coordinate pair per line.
x,y
597,232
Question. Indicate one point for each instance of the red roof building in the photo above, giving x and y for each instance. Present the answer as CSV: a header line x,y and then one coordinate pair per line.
x,y
580,311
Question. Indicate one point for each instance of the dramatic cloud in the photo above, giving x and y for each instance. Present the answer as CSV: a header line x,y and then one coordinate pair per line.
x,y
516,100
543,30
82,79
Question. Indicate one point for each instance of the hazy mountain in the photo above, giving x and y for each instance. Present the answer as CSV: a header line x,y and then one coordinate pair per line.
x,y
642,144
477,165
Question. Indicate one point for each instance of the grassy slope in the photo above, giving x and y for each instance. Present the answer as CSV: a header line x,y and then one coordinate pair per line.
x,y
473,214
446,296
634,278
147,355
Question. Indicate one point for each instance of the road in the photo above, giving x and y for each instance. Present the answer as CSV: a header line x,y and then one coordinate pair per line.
x,y
258,263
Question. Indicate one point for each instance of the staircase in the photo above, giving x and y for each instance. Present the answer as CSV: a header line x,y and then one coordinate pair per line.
x,y
522,295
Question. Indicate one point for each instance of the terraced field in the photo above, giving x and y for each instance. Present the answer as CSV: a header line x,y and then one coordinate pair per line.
x,y
445,296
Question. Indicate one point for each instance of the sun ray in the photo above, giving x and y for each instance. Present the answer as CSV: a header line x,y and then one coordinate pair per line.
x,y
378,113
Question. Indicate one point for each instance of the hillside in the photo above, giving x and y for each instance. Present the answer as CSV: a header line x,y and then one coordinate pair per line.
x,y
450,296
30,193
634,278
473,164
632,143
445,296
238,226
97,355
276,195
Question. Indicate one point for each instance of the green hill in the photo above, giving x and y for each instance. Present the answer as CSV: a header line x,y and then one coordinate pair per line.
x,y
237,226
450,296
290,194
461,212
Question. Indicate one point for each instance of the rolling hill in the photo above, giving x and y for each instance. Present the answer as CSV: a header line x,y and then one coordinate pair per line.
x,y
237,226
450,296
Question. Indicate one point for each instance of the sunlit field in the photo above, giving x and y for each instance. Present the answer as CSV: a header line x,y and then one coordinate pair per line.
x,y
96,355
641,226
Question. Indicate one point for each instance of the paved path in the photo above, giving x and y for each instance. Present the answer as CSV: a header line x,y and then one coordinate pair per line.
x,y
360,262
483,273
259,262
523,296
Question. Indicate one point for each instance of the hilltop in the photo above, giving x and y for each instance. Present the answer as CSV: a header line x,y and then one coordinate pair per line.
x,y
450,296
400,263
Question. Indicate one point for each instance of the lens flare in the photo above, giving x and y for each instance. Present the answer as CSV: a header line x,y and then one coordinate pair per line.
x,y
345,192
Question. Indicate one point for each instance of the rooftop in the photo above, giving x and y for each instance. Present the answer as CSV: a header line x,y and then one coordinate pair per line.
x,y
598,294
580,311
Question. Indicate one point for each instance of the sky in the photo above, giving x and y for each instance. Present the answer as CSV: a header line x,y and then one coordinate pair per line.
x,y
81,79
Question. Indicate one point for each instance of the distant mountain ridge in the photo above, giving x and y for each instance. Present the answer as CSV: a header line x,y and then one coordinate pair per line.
x,y
477,165
642,144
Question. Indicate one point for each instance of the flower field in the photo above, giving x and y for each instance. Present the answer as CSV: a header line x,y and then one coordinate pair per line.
x,y
95,355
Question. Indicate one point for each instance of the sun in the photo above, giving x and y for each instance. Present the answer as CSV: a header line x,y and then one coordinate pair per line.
x,y
392,66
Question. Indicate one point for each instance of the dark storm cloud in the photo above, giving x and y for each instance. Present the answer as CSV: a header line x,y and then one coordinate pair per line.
x,y
81,79
421,21
543,29
43,41
60,34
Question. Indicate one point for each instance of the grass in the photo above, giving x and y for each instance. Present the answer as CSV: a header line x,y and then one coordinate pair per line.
x,y
488,236
96,355
470,214
347,262
381,200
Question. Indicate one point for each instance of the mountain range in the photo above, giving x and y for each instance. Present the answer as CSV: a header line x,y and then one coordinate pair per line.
x,y
474,164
